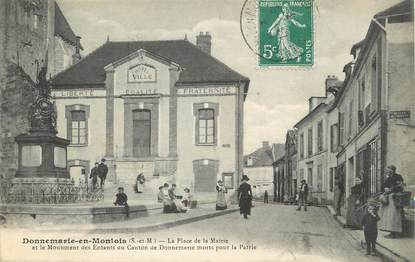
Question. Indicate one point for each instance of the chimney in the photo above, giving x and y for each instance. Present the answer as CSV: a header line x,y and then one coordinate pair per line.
x,y
265,144
204,42
77,56
333,84
314,101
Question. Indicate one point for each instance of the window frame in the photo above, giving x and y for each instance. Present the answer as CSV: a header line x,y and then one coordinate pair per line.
x,y
80,125
228,174
310,141
301,143
320,135
197,107
334,137
206,127
68,115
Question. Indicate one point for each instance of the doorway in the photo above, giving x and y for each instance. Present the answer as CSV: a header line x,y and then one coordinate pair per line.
x,y
141,133
77,173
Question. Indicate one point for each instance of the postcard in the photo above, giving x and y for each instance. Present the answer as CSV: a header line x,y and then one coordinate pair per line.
x,y
196,130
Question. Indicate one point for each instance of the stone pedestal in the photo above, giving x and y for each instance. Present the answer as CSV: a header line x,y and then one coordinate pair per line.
x,y
42,175
42,155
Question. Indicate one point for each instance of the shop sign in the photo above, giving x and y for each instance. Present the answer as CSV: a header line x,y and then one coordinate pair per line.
x,y
399,114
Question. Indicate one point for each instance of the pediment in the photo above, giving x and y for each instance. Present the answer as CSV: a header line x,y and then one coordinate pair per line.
x,y
141,56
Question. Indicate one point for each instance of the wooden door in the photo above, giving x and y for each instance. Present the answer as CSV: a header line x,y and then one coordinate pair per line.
x,y
141,133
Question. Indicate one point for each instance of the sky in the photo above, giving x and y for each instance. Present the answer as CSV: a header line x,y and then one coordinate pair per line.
x,y
278,97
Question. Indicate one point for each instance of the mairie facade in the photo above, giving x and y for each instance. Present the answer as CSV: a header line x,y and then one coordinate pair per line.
x,y
167,109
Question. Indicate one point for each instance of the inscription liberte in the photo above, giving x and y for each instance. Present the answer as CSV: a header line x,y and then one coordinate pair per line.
x,y
146,91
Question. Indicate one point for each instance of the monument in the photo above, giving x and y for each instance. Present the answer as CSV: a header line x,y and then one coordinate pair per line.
x,y
42,175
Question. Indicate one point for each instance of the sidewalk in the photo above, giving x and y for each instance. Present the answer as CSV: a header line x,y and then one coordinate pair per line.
x,y
400,249
155,220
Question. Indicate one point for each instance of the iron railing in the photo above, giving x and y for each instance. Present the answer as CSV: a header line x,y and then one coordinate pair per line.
x,y
48,193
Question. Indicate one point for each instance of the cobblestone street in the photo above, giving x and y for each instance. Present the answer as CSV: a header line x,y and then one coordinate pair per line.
x,y
281,232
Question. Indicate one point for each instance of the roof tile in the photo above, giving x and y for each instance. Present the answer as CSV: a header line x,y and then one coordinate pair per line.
x,y
199,67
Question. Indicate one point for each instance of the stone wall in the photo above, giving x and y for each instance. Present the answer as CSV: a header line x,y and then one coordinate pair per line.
x,y
16,94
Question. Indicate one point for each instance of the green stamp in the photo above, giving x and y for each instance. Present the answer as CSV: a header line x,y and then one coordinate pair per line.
x,y
285,33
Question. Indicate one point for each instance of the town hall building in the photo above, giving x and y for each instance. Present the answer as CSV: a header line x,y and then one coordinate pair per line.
x,y
167,109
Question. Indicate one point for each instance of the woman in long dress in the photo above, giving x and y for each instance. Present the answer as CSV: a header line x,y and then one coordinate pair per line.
x,y
287,50
245,197
220,199
140,183
390,214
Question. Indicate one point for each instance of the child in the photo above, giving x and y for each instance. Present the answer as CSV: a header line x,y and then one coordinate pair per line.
x,y
160,195
186,197
370,227
121,199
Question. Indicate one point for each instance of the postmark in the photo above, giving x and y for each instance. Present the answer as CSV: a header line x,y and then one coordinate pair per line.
x,y
280,32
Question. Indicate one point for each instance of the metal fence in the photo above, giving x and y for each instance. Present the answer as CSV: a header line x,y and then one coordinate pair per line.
x,y
48,193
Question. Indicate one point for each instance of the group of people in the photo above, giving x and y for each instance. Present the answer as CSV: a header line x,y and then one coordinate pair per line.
x,y
100,170
244,197
385,208
171,202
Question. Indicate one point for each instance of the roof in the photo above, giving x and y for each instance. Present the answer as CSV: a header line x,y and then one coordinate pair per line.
x,y
261,157
356,46
403,9
278,151
62,27
312,113
400,12
199,67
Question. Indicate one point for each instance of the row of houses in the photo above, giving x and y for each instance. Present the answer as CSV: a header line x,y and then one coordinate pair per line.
x,y
362,124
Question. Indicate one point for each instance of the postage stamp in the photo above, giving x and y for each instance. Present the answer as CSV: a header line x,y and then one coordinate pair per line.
x,y
285,33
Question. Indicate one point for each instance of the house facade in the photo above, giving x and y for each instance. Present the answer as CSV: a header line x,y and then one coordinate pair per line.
x,y
375,111
167,109
291,183
258,167
312,149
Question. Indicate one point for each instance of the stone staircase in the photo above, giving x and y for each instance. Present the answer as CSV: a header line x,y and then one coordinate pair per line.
x,y
126,175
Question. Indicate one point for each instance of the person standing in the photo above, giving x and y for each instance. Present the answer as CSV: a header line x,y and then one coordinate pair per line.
x,y
160,195
266,197
338,195
220,198
187,197
94,176
390,214
172,192
355,201
245,197
303,194
103,171
370,227
140,183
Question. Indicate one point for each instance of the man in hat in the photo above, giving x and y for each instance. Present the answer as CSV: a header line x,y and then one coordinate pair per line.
x,y
303,194
245,197
103,171
94,175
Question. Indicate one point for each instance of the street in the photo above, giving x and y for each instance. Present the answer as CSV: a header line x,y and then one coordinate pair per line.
x,y
279,232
